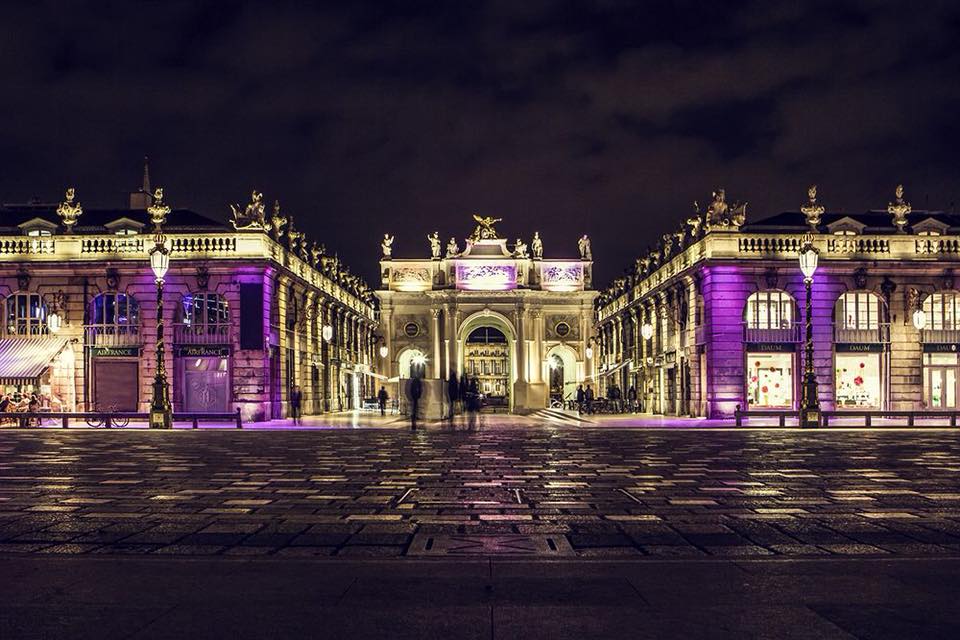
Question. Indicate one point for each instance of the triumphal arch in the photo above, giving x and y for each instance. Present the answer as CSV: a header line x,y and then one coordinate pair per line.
x,y
496,311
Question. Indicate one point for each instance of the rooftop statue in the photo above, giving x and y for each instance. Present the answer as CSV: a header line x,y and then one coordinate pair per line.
x,y
277,220
812,211
69,211
252,216
584,245
520,249
484,229
387,245
157,210
721,215
434,239
452,249
899,209
537,246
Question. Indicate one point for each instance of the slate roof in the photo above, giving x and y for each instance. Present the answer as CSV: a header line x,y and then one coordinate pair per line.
x,y
877,221
93,220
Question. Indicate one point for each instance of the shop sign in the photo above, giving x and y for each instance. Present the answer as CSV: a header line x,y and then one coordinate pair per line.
x,y
202,351
115,352
871,347
939,347
771,347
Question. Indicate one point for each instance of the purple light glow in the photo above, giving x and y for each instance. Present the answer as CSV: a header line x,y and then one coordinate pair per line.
x,y
486,277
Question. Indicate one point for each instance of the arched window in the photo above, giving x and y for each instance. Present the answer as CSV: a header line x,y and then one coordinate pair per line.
x,y
769,310
943,310
26,314
115,313
859,310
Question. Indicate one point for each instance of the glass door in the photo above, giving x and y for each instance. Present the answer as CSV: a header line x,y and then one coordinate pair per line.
x,y
942,387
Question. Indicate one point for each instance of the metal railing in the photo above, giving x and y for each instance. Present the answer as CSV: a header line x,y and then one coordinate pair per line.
x,y
847,335
114,418
113,335
218,333
940,335
790,332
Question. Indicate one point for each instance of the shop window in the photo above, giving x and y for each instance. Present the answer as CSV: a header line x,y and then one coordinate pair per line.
x,y
858,382
943,310
770,380
940,380
770,310
26,315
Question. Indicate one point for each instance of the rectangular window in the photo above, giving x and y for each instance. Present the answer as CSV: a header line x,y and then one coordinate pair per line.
x,y
251,315
770,380
858,382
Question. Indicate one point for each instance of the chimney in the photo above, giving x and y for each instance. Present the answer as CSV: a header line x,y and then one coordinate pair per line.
x,y
142,198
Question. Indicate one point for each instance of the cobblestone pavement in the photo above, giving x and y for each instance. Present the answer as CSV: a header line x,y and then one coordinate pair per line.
x,y
539,492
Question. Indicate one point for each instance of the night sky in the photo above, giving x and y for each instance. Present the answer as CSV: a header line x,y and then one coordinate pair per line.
x,y
607,118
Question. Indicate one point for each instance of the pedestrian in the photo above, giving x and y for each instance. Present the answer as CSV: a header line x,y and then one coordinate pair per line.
x,y
296,399
453,392
382,398
580,399
632,398
588,398
473,403
415,389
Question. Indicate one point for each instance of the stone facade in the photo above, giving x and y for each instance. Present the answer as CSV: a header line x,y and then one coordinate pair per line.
x,y
543,307
244,312
724,307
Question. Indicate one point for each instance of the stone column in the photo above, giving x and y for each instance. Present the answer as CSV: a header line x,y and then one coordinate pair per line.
x,y
446,341
521,345
537,352
436,343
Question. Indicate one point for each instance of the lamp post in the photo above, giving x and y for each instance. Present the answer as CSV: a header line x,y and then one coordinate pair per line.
x,y
326,333
810,403
160,411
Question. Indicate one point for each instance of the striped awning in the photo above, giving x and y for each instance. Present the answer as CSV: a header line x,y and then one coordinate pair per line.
x,y
23,360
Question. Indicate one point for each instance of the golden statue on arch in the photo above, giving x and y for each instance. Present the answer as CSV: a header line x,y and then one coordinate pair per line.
x,y
484,229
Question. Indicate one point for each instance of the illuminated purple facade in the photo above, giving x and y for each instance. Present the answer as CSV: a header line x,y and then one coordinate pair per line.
x,y
244,311
723,305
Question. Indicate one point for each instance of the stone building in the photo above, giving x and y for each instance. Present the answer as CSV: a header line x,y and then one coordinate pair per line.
x,y
525,320
711,318
250,310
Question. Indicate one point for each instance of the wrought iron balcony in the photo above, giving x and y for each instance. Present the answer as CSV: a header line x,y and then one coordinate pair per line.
x,y
877,334
940,336
216,333
789,332
113,335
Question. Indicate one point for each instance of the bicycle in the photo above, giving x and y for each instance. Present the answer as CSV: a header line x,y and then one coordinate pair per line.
x,y
116,421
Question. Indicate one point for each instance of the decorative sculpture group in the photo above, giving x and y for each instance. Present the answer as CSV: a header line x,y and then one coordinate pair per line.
x,y
69,211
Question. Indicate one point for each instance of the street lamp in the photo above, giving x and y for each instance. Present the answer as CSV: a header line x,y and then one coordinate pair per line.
x,y
919,319
160,411
589,350
646,330
809,404
54,321
327,333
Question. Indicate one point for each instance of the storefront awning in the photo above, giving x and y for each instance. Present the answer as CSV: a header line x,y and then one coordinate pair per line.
x,y
23,360
616,368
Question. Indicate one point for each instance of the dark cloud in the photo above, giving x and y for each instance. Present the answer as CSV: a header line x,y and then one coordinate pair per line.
x,y
608,117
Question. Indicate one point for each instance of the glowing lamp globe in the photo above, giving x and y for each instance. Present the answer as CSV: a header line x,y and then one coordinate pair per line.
x,y
808,261
919,319
646,330
589,352
159,259
54,321
327,333
384,351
